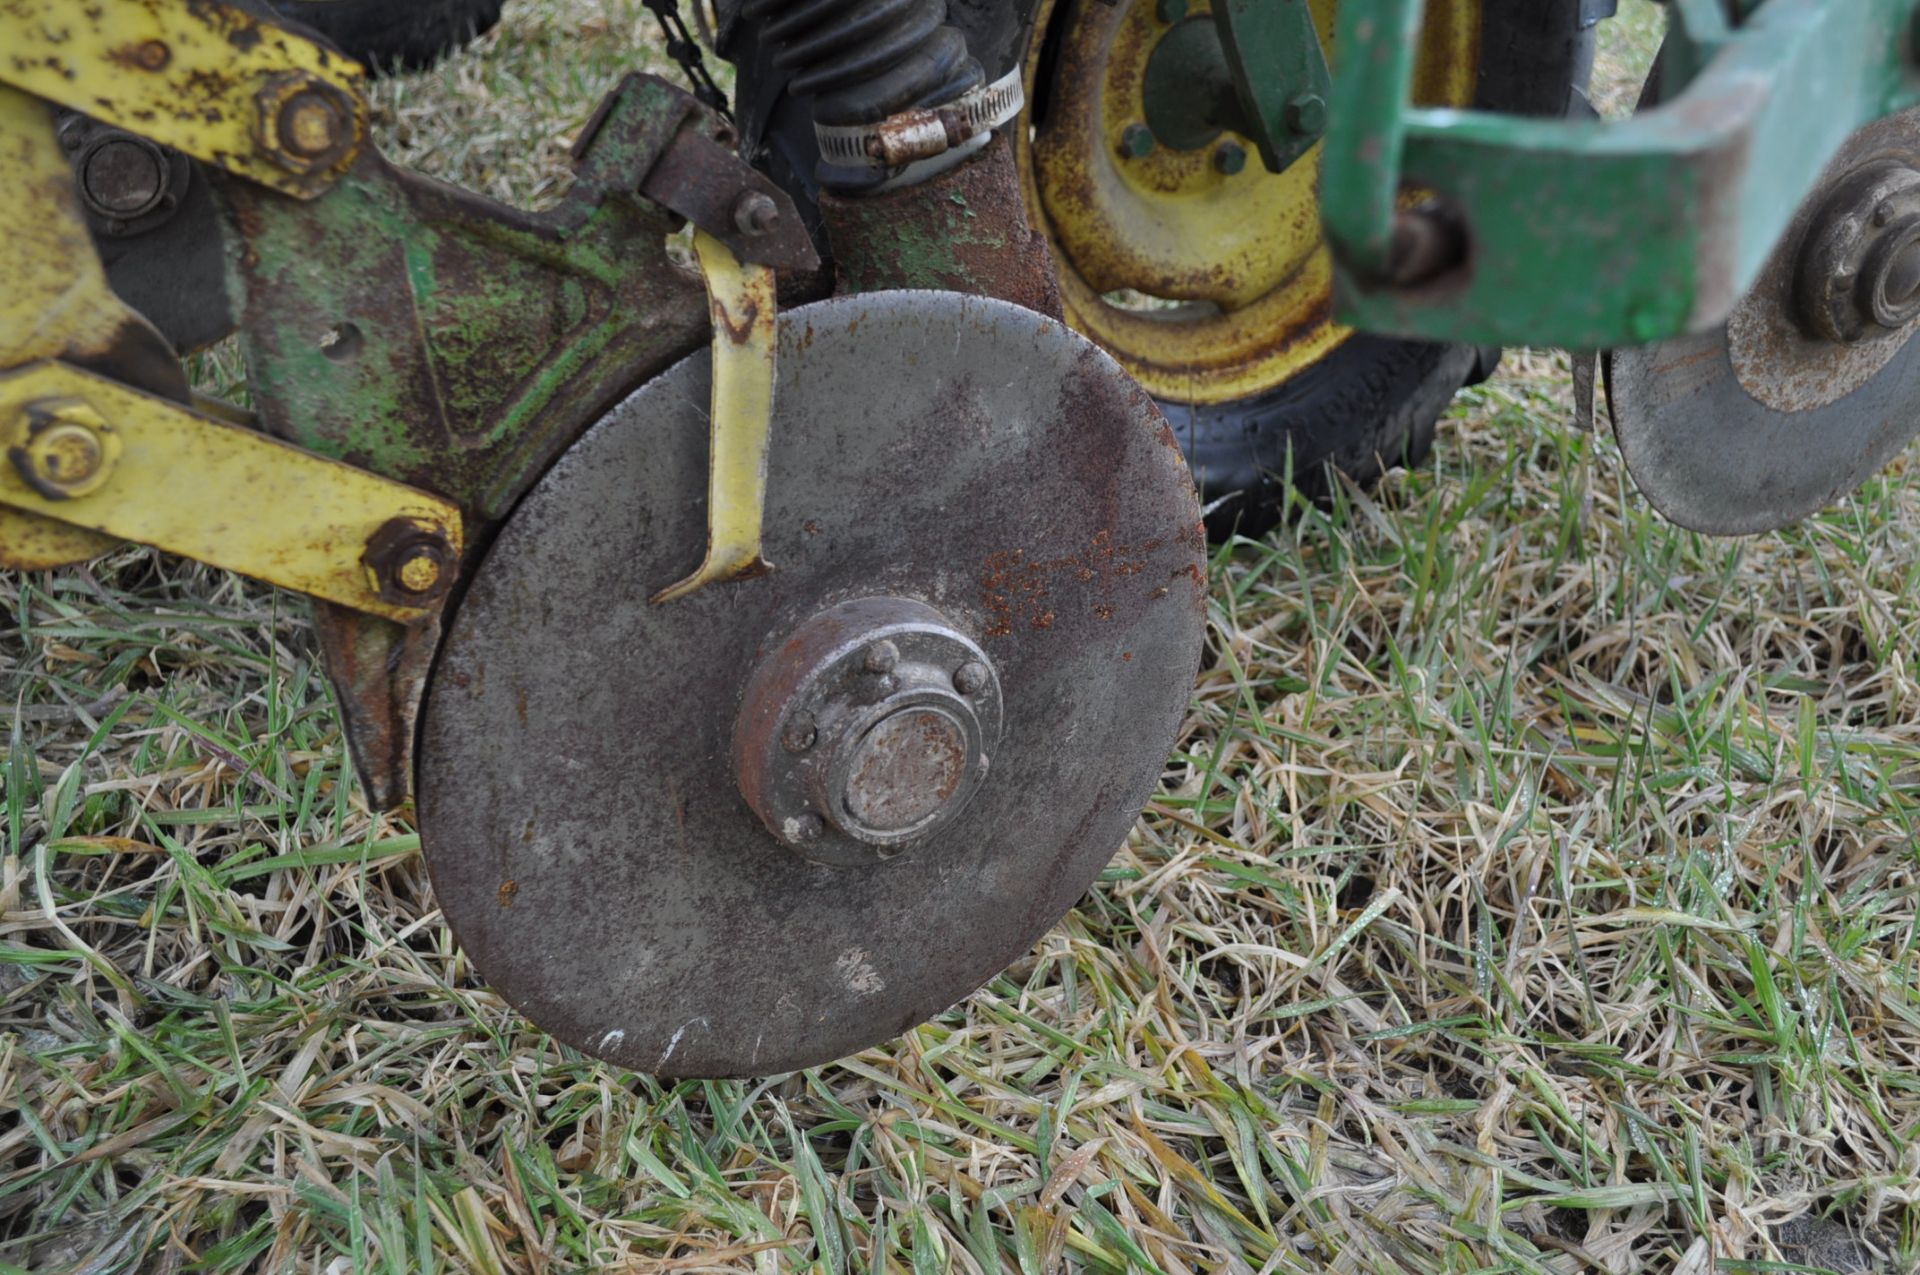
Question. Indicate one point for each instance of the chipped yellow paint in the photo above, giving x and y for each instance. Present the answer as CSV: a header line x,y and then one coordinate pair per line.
x,y
208,78
55,300
741,300
1230,279
222,494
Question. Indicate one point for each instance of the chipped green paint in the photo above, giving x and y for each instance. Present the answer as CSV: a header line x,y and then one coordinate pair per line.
x,y
1592,234
426,333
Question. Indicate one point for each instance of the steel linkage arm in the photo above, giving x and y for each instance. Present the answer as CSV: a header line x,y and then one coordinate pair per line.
x,y
1465,226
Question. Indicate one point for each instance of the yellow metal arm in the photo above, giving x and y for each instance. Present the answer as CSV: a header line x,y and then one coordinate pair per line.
x,y
100,455
741,298
207,78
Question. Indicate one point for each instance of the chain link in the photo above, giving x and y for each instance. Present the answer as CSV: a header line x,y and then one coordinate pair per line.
x,y
686,51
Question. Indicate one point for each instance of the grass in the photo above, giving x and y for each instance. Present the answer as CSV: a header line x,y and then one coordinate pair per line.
x,y
1533,888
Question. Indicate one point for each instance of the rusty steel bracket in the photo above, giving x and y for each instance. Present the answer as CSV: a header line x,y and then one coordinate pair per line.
x,y
739,416
211,79
692,170
91,452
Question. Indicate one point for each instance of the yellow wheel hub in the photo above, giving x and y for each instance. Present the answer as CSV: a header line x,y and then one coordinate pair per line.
x,y
1207,283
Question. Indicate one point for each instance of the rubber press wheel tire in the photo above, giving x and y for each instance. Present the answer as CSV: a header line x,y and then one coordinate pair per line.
x,y
1304,399
389,35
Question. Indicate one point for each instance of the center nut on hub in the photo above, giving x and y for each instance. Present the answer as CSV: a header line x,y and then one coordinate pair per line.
x,y
866,731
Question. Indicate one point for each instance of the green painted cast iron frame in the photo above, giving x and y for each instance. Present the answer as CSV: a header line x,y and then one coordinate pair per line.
x,y
1593,234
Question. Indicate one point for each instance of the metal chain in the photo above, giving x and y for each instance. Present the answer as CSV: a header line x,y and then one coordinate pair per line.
x,y
685,50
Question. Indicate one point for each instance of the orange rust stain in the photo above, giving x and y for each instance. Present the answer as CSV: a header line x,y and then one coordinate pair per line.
x,y
508,889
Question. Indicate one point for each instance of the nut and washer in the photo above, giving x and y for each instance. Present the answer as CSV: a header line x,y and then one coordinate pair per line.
x,y
63,448
755,213
409,562
304,124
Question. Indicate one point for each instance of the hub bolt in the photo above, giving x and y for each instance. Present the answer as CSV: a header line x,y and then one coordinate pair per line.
x,y
1137,142
1229,158
799,734
882,657
1171,11
971,678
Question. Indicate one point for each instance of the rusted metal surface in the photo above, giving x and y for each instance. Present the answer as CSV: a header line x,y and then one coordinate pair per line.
x,y
720,193
1764,420
962,231
857,740
578,802
379,673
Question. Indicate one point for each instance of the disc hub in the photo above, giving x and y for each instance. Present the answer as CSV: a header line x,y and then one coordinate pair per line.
x,y
867,731
1860,269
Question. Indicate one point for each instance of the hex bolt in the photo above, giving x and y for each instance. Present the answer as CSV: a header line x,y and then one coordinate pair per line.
x,y
1137,142
1307,115
882,657
302,122
409,561
971,678
1171,11
1229,158
63,448
800,733
755,213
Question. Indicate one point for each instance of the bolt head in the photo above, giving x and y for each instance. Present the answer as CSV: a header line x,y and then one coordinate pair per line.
x,y
63,448
1229,158
755,213
971,678
800,734
882,657
1137,141
1307,115
302,123
408,561
1171,11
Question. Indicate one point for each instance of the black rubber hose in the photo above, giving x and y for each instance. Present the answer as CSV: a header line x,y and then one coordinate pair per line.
x,y
863,60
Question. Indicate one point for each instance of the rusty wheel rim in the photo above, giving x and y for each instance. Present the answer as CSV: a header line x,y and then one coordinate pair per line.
x,y
1207,285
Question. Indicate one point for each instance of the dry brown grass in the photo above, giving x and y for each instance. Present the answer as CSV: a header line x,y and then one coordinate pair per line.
x,y
1534,888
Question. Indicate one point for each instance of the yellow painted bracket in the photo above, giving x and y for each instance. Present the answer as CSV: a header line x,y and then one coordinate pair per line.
x,y
97,454
741,300
207,78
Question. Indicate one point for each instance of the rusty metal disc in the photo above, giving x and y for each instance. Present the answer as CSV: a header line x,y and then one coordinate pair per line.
x,y
1813,383
949,698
